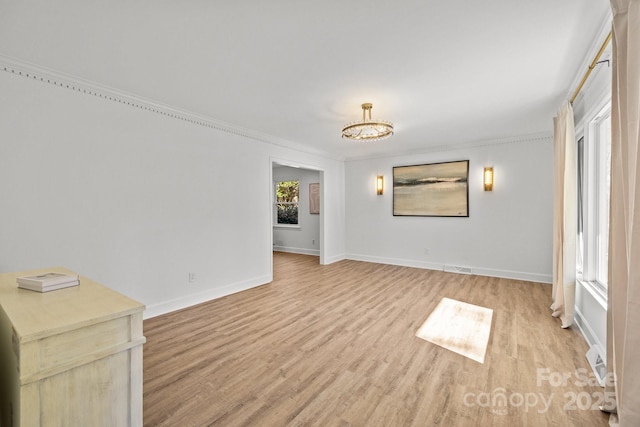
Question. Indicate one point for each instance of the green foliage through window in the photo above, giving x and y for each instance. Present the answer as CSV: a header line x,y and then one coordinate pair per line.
x,y
287,194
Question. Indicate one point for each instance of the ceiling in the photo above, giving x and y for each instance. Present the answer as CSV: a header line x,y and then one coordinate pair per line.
x,y
296,71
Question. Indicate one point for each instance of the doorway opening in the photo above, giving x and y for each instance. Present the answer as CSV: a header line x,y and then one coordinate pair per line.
x,y
297,220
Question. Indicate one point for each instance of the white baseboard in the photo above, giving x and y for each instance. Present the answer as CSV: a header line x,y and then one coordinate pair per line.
x,y
587,332
200,297
302,251
314,252
210,294
335,258
506,274
516,275
396,261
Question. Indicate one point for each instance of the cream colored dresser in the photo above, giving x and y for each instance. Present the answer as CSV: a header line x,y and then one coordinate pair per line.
x,y
69,357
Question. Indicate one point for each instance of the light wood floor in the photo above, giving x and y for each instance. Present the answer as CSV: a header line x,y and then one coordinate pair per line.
x,y
334,346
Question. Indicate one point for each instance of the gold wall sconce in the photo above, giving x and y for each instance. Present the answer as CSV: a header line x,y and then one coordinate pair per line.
x,y
488,178
379,185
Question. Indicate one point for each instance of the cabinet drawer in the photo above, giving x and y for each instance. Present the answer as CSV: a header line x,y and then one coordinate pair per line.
x,y
78,344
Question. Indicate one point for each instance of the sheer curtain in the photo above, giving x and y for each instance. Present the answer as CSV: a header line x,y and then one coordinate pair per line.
x,y
623,338
564,216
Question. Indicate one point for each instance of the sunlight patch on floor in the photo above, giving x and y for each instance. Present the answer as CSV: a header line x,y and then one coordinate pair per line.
x,y
460,327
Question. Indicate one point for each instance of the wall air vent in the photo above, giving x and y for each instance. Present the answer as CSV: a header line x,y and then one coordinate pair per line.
x,y
596,360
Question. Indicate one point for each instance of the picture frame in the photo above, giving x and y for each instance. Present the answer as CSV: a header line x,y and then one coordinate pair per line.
x,y
433,189
314,198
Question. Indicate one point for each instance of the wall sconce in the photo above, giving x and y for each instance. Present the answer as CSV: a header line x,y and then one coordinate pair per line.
x,y
379,185
488,178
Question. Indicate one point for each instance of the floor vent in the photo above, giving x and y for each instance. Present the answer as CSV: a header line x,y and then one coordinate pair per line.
x,y
457,269
594,356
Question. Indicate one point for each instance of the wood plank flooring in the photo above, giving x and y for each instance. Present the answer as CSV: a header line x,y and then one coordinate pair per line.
x,y
334,346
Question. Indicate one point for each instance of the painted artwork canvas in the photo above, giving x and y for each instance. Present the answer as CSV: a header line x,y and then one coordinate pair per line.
x,y
436,189
314,198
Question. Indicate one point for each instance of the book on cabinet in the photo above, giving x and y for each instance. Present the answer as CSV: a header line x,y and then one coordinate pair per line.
x,y
47,279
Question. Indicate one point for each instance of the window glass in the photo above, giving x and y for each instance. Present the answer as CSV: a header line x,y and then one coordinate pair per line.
x,y
593,192
603,194
287,195
581,206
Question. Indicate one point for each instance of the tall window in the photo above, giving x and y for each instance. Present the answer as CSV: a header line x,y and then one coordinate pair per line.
x,y
594,171
287,195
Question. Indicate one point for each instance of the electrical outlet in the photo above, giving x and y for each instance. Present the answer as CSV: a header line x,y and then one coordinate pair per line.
x,y
426,251
313,242
192,277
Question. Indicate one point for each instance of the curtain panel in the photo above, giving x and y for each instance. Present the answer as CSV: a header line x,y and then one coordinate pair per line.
x,y
623,338
564,216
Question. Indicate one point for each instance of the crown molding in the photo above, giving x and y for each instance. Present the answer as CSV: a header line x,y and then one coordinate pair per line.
x,y
531,138
36,72
596,43
32,71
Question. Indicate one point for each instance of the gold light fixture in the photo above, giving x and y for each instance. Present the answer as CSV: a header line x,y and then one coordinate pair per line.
x,y
379,185
367,129
488,178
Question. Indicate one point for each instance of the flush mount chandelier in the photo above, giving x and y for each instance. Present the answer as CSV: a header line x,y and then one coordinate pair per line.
x,y
367,129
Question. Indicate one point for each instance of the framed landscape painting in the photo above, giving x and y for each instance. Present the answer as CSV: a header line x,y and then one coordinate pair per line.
x,y
435,189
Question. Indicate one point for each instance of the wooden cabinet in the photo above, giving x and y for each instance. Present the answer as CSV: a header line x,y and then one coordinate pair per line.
x,y
69,357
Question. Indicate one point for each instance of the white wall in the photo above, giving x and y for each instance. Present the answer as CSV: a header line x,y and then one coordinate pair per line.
x,y
508,232
136,200
304,239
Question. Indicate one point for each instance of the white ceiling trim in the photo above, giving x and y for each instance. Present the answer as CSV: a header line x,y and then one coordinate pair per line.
x,y
35,72
596,43
28,70
532,138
